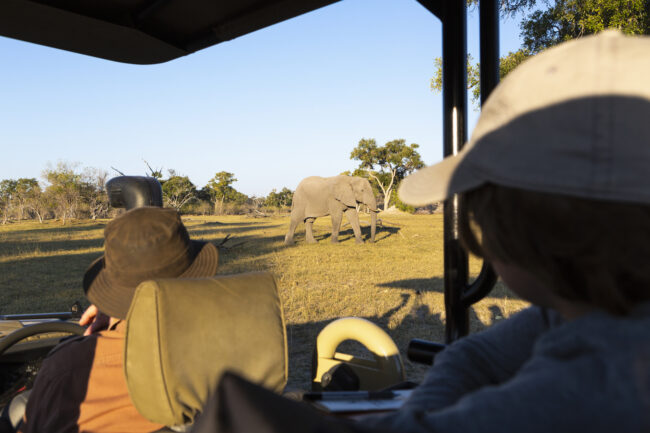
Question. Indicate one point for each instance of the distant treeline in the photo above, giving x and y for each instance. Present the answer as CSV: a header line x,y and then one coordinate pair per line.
x,y
67,192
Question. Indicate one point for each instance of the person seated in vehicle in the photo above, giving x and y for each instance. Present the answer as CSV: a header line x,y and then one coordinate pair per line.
x,y
81,384
555,193
556,196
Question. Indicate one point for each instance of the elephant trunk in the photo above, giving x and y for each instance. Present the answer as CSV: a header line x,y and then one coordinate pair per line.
x,y
373,225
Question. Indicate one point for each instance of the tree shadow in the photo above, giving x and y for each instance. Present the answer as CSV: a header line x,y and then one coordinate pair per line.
x,y
419,322
52,230
225,229
219,223
43,284
69,246
436,284
240,250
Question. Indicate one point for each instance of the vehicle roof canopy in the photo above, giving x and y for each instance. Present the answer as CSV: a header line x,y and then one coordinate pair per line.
x,y
142,31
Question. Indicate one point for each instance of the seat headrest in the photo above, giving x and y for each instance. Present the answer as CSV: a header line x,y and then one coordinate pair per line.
x,y
183,334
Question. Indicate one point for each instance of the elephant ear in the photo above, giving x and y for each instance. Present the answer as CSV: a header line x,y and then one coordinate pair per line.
x,y
343,193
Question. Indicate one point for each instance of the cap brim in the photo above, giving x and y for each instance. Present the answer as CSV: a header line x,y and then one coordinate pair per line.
x,y
440,181
114,299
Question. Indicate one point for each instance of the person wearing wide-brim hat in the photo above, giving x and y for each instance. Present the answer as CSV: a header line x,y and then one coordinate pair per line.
x,y
144,243
81,384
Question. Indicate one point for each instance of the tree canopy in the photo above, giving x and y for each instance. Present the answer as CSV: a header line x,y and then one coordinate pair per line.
x,y
65,189
178,191
26,190
563,20
7,192
280,199
387,165
221,190
221,185
550,22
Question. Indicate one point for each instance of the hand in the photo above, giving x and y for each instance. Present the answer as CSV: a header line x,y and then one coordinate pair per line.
x,y
96,320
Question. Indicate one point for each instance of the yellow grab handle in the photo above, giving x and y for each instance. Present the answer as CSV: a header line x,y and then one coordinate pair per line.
x,y
387,369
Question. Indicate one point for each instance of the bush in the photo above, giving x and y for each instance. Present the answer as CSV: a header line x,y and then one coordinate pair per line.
x,y
198,207
399,204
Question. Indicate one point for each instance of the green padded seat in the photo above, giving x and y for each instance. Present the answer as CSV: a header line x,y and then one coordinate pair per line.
x,y
183,334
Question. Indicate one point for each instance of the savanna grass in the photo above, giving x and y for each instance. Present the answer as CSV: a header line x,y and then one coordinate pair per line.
x,y
396,282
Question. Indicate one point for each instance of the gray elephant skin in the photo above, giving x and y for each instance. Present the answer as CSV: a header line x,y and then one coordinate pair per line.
x,y
321,196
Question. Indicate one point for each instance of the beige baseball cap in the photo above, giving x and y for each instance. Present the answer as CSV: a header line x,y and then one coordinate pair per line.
x,y
573,120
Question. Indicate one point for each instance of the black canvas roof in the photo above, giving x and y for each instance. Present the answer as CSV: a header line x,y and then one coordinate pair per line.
x,y
142,31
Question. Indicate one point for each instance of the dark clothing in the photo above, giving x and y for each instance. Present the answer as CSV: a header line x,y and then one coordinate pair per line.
x,y
81,388
535,372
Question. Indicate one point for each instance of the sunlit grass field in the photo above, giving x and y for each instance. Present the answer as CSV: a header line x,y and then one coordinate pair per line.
x,y
396,282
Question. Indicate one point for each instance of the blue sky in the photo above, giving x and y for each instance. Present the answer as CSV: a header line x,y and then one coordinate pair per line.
x,y
273,107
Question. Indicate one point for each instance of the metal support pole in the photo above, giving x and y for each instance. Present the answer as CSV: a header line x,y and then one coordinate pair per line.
x,y
489,33
459,295
454,95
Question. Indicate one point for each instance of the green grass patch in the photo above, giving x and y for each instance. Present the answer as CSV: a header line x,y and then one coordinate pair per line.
x,y
397,282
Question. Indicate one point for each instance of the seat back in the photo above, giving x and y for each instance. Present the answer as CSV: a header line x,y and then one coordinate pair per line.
x,y
183,334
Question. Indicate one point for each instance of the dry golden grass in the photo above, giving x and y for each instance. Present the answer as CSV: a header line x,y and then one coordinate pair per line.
x,y
396,282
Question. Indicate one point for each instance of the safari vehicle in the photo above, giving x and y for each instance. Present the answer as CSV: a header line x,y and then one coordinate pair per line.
x,y
155,31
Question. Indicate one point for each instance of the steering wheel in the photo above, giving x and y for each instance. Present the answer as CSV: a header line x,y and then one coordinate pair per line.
x,y
13,412
39,328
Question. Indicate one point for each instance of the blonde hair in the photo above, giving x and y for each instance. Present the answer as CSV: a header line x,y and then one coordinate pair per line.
x,y
591,251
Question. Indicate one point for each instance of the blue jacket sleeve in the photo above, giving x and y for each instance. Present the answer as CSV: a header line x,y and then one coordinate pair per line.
x,y
486,358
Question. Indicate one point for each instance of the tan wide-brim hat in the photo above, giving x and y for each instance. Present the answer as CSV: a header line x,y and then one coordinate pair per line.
x,y
144,244
573,120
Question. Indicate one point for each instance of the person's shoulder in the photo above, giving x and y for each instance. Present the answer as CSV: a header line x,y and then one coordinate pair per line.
x,y
547,316
614,341
71,355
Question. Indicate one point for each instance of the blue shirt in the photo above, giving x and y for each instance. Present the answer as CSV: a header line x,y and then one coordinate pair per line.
x,y
535,372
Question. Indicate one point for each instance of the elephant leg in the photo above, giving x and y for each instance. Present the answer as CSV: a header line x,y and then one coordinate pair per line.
x,y
295,219
353,217
336,226
309,231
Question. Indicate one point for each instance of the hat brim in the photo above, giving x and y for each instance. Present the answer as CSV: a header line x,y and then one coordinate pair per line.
x,y
114,299
440,181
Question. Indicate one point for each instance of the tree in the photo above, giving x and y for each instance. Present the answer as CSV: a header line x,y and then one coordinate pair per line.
x,y
221,190
40,203
387,165
558,21
94,192
569,19
26,189
65,189
178,191
473,74
506,64
7,193
280,199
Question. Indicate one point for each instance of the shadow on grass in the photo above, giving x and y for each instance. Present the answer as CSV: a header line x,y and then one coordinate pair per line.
x,y
43,284
219,223
344,235
198,231
27,247
436,284
419,323
51,230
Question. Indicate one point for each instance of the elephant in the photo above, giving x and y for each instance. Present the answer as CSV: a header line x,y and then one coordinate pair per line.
x,y
321,196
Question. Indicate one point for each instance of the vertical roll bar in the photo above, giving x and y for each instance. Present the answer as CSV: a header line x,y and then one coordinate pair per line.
x,y
489,70
489,36
454,101
459,295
